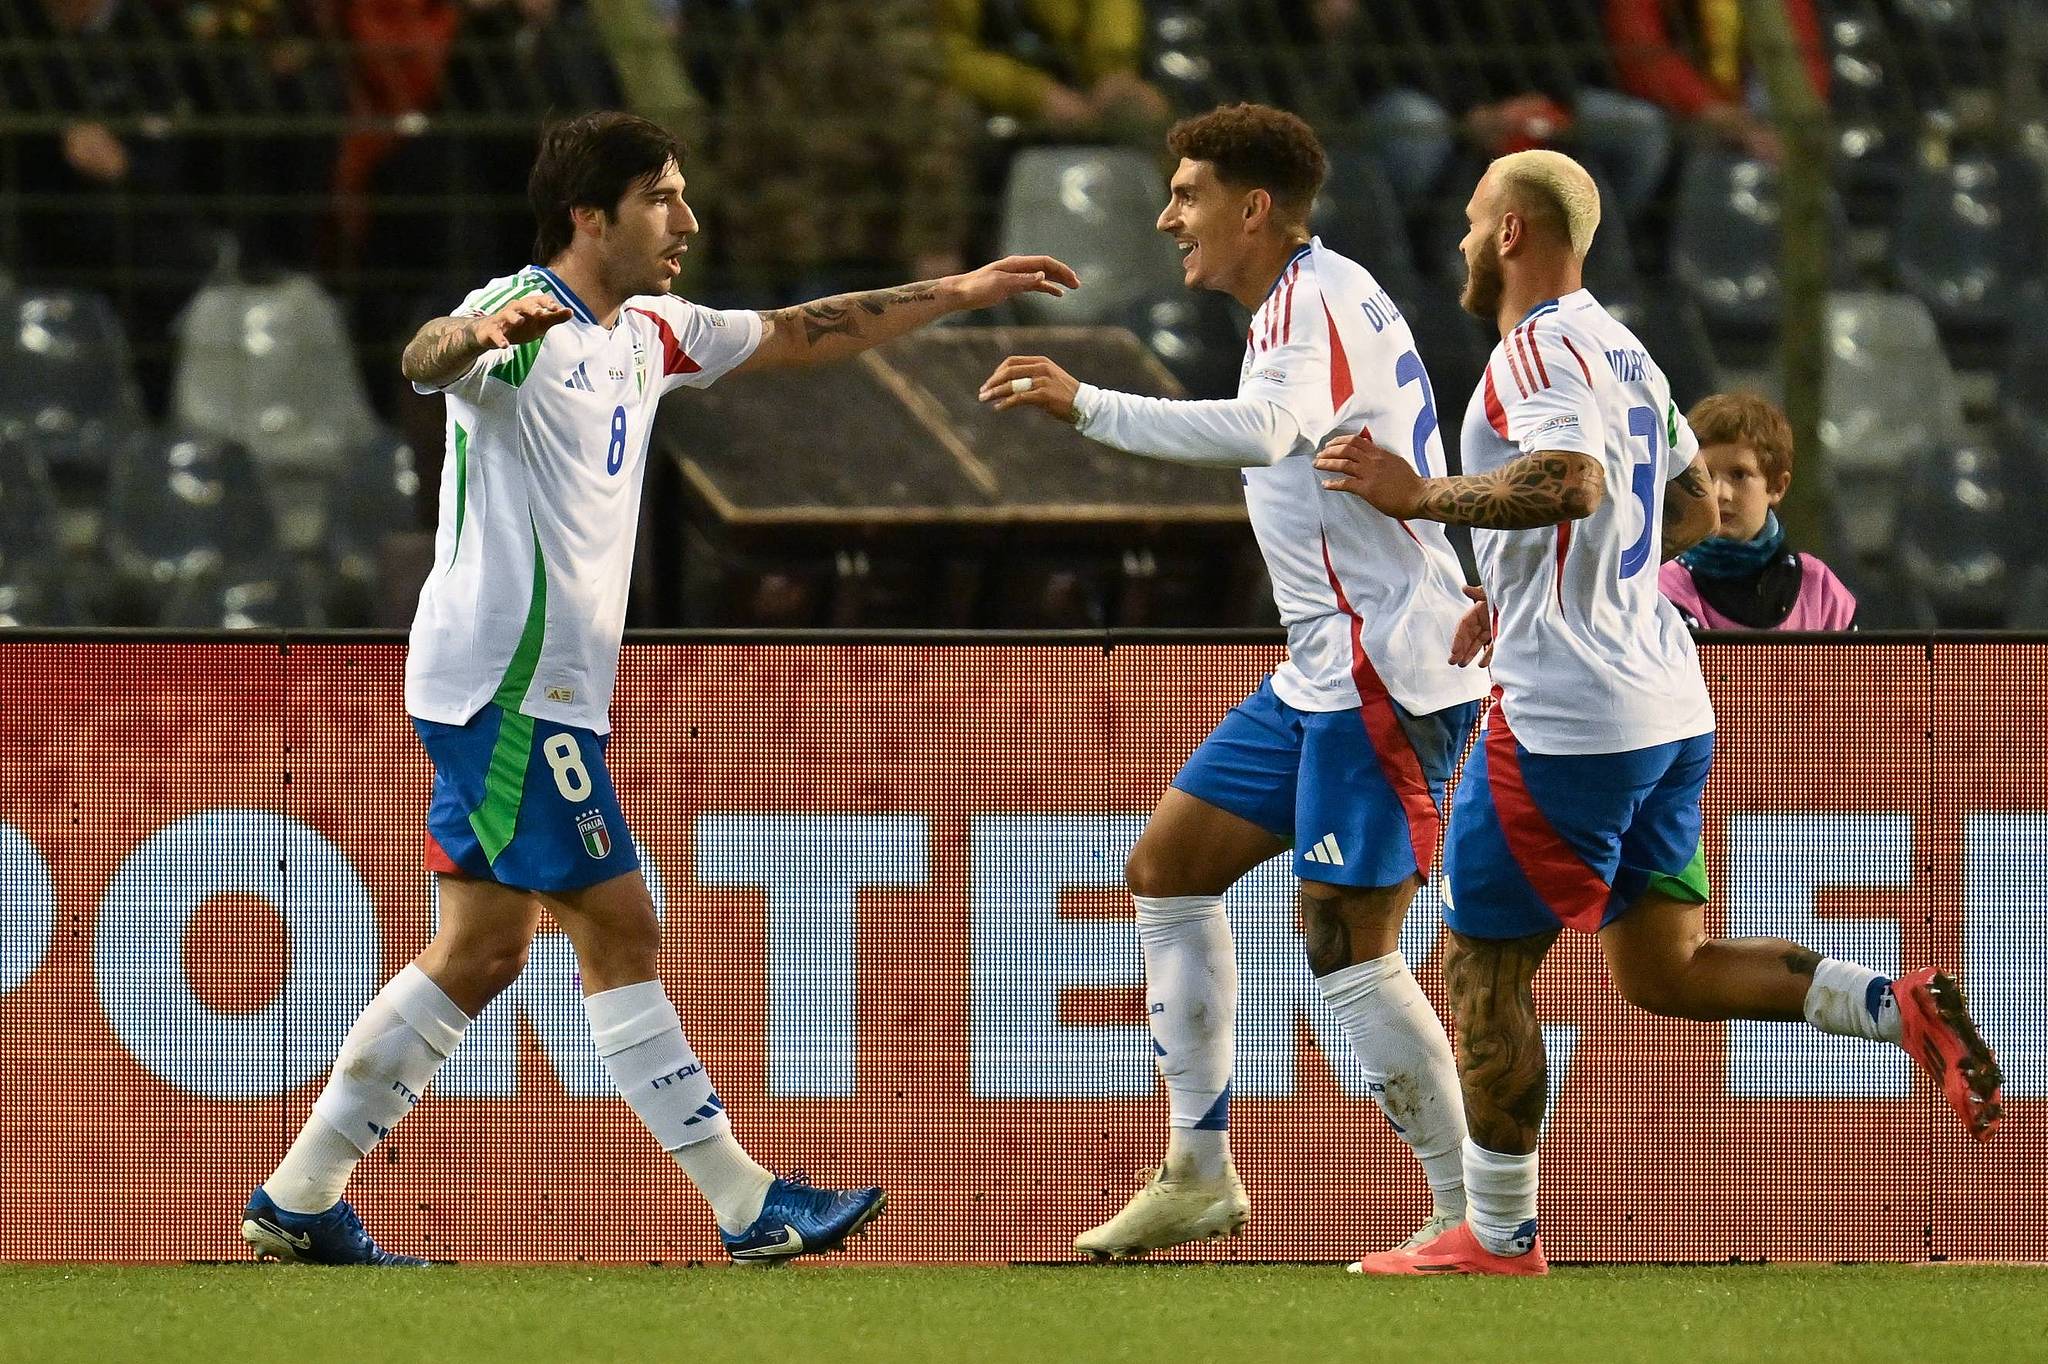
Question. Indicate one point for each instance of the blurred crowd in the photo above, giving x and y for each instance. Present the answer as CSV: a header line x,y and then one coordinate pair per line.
x,y
375,152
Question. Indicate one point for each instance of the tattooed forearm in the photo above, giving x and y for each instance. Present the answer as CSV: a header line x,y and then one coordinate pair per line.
x,y
1689,513
831,328
1500,1047
1539,489
441,351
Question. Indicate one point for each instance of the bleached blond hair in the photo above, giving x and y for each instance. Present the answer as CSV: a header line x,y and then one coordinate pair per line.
x,y
1545,183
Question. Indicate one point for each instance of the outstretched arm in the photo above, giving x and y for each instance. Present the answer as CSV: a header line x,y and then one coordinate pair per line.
x,y
844,325
1236,433
1540,488
443,350
1690,513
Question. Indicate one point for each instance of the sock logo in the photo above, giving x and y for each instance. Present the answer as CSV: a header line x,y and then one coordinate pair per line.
x,y
1326,852
664,1081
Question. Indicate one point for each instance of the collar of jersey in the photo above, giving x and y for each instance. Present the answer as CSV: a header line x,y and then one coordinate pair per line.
x,y
565,293
1312,243
1551,305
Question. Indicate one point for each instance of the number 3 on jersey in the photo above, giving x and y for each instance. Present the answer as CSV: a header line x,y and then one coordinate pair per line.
x,y
615,453
1642,421
565,760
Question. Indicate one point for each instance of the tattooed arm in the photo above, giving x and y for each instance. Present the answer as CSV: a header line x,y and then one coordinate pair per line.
x,y
829,329
1690,510
1541,488
442,351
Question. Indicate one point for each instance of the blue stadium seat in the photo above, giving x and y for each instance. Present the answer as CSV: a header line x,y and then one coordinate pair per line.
x,y
1195,333
1094,208
271,367
28,506
1178,40
1725,240
243,594
1873,109
181,508
2023,382
67,385
1357,215
375,496
1966,239
1960,542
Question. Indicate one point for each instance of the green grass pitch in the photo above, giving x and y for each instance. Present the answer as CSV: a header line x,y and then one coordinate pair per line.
x,y
1124,1313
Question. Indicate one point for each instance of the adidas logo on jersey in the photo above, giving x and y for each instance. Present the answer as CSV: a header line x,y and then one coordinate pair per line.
x,y
580,380
1326,852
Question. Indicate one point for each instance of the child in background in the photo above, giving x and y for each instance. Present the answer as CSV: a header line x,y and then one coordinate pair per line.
x,y
1746,577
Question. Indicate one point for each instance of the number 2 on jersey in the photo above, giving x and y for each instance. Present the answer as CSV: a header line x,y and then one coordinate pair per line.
x,y
1642,421
1408,370
615,453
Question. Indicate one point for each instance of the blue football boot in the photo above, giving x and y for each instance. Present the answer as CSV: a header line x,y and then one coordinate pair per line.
x,y
798,1219
334,1237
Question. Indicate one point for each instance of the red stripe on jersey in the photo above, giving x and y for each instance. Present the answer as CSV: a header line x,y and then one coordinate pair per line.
x,y
1564,545
1287,321
1390,743
1536,349
1496,415
674,360
1507,348
1576,356
1528,367
1251,337
1340,365
1575,892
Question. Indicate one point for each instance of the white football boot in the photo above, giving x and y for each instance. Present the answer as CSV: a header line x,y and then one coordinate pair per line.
x,y
1170,1212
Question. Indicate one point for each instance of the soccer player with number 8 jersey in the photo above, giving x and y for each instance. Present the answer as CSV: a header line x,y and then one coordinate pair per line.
x,y
1344,752
552,377
1580,806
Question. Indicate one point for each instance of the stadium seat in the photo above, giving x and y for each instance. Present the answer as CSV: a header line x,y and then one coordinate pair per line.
x,y
2023,381
1357,215
270,366
258,593
1958,539
1725,240
1873,110
375,496
1196,334
28,506
1875,421
1966,238
1178,41
67,385
180,507
1094,208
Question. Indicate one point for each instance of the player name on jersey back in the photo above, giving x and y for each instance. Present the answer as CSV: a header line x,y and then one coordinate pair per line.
x,y
1588,655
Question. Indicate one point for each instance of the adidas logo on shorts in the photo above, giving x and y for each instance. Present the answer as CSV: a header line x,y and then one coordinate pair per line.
x,y
1326,852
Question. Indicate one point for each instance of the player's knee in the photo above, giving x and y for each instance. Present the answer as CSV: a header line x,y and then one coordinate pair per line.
x,y
1653,990
496,970
1147,873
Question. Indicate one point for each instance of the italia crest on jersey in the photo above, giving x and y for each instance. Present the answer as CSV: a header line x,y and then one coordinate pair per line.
x,y
597,839
639,366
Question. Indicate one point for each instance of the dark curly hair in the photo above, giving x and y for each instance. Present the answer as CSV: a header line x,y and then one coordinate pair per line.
x,y
1255,146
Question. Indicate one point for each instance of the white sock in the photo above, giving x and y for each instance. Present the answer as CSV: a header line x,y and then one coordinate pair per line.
x,y
1402,1048
1501,1193
1191,1003
1852,1001
385,1063
641,1040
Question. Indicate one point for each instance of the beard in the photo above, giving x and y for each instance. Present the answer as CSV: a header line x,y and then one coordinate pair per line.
x,y
1483,284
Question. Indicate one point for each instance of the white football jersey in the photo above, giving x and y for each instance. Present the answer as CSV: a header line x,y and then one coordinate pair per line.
x,y
1588,655
540,502
1361,594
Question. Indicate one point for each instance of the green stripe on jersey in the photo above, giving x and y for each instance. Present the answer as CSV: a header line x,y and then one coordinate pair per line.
x,y
514,368
461,484
497,819
520,285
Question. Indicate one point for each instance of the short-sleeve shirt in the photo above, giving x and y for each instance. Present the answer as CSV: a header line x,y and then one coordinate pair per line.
x,y
1370,603
540,502
1589,657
